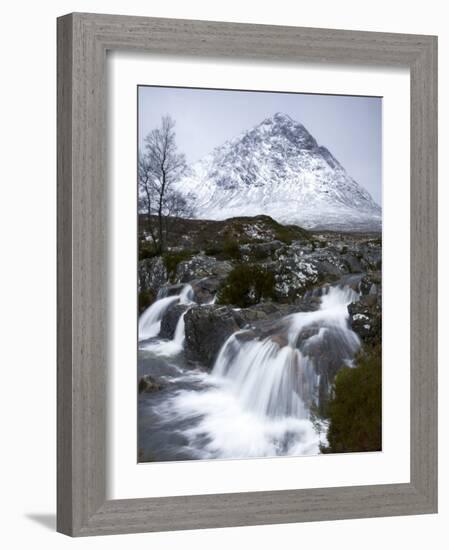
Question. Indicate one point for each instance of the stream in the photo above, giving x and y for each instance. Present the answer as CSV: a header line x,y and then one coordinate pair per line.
x,y
256,400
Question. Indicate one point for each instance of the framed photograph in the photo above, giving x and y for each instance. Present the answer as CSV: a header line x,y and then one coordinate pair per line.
x,y
247,281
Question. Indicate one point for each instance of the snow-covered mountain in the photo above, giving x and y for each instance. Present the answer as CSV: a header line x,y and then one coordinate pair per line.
x,y
277,168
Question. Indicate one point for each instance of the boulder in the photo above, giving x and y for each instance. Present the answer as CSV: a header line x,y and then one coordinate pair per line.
x,y
207,328
200,267
260,251
170,320
294,271
152,274
330,268
365,318
353,263
298,268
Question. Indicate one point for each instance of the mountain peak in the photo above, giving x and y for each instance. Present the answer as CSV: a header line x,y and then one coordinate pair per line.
x,y
281,117
282,126
281,120
278,169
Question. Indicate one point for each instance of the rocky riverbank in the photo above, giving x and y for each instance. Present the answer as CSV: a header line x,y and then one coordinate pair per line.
x,y
275,313
293,270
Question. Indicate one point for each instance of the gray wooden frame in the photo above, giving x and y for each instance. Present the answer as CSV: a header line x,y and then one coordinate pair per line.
x,y
83,40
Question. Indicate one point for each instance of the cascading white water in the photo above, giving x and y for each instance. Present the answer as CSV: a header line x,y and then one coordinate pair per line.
x,y
180,331
256,400
151,318
187,295
269,379
169,348
276,377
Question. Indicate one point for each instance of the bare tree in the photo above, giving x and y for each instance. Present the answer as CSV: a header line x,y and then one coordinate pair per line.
x,y
160,167
177,206
146,194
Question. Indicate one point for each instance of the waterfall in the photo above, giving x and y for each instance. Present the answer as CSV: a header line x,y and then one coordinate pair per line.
x,y
151,318
270,380
278,375
180,331
256,401
187,295
169,348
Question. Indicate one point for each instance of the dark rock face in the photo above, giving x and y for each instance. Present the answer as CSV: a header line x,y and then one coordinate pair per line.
x,y
207,328
365,316
170,320
353,263
152,274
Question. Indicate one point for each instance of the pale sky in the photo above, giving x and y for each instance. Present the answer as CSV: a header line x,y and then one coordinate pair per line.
x,y
349,126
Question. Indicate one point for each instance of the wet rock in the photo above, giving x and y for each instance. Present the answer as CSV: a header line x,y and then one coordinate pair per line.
x,y
365,316
152,274
366,319
207,328
206,289
148,384
170,320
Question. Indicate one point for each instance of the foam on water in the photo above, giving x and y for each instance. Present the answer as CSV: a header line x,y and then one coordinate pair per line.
x,y
256,401
151,318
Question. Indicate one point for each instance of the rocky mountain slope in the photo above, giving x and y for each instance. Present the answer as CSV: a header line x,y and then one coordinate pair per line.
x,y
277,168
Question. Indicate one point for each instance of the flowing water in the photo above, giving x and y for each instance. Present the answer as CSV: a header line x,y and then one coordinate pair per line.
x,y
256,400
